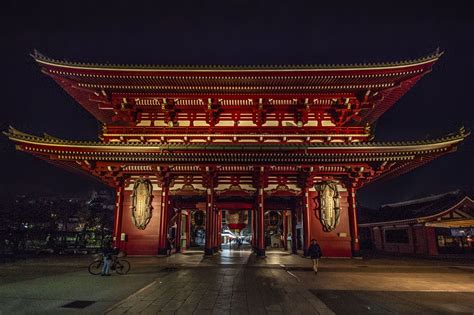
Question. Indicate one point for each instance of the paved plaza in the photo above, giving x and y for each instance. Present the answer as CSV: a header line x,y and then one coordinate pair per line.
x,y
235,282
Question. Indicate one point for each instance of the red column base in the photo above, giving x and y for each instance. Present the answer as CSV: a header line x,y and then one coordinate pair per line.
x,y
356,249
260,252
162,251
208,251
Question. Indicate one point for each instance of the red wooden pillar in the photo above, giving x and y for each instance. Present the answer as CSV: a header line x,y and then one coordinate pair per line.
x,y
214,230
355,245
164,218
382,238
215,235
208,249
210,181
254,229
219,239
218,229
306,221
260,223
260,182
294,241
177,241
413,239
285,230
431,242
118,216
188,229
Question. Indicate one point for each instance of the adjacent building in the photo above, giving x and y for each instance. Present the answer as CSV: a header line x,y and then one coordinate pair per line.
x,y
435,225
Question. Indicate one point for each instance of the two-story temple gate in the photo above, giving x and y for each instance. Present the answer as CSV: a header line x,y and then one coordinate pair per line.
x,y
187,143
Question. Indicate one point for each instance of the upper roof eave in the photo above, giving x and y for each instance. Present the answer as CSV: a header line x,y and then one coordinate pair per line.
x,y
47,61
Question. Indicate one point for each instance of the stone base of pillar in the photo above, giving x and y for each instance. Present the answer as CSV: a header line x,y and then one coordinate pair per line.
x,y
260,252
216,249
162,251
355,248
305,252
208,251
178,249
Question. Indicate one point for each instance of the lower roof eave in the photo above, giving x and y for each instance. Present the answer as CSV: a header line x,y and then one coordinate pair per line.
x,y
457,223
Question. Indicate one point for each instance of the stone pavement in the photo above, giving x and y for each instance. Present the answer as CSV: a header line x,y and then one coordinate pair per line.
x,y
224,290
235,282
46,285
285,284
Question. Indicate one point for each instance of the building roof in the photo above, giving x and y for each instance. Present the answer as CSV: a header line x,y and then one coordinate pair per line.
x,y
42,59
363,147
97,86
381,160
420,210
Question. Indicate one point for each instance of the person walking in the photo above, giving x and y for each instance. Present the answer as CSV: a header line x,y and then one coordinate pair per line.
x,y
107,252
169,246
314,251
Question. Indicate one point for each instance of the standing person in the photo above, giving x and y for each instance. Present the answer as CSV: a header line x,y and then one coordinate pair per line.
x,y
107,251
169,246
314,251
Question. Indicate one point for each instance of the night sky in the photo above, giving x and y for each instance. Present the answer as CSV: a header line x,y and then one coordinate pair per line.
x,y
237,32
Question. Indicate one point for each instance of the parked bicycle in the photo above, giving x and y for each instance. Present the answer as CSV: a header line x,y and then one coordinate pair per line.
x,y
121,266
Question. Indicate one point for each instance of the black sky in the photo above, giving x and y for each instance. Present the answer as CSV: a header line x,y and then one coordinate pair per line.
x,y
239,32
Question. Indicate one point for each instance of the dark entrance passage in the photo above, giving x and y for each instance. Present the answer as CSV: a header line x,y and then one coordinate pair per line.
x,y
280,223
197,231
187,225
274,229
188,229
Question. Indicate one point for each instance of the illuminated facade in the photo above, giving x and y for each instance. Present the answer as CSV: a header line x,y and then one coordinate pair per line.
x,y
287,145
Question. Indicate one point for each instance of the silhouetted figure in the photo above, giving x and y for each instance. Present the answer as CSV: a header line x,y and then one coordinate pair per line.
x,y
314,251
169,245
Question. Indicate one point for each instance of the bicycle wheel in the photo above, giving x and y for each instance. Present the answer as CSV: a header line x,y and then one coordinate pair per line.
x,y
122,267
95,268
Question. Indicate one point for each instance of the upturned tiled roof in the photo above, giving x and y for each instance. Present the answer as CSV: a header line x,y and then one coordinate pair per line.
x,y
15,134
44,59
413,209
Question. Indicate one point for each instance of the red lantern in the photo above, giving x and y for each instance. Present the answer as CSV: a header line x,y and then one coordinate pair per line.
x,y
235,220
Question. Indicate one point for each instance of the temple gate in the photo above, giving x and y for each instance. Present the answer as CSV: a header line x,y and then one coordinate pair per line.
x,y
288,144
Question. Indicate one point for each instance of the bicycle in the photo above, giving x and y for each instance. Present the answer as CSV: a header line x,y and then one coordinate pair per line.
x,y
121,266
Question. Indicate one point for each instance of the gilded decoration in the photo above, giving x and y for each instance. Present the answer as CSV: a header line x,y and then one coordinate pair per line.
x,y
141,203
234,190
187,190
329,205
282,190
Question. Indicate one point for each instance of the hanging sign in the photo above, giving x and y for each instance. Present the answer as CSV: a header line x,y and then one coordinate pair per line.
x,y
329,205
141,203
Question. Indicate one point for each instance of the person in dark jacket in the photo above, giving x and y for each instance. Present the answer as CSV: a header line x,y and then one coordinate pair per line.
x,y
169,245
314,251
107,252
